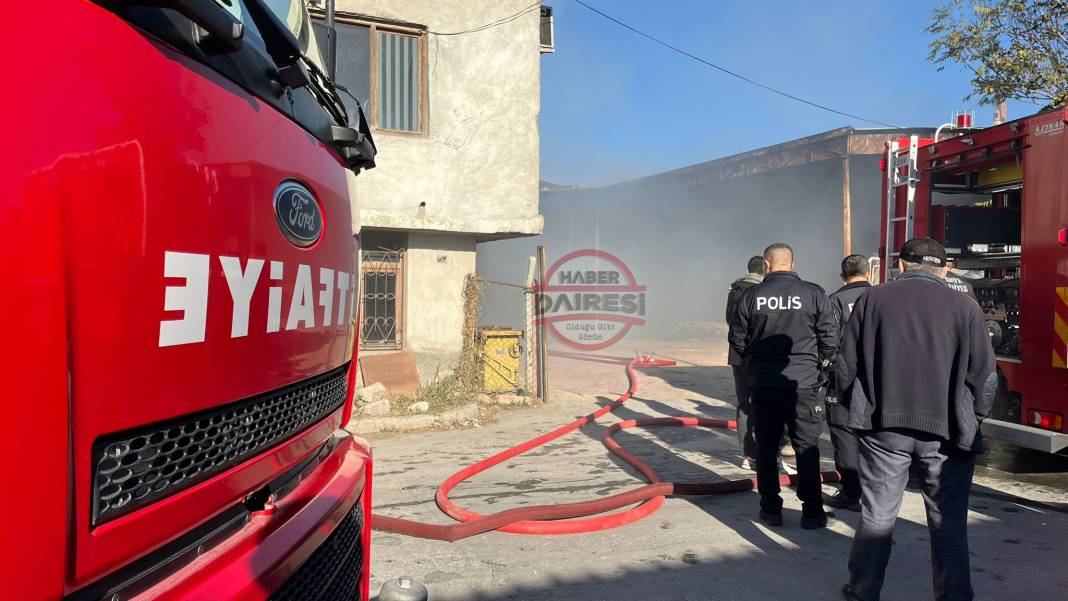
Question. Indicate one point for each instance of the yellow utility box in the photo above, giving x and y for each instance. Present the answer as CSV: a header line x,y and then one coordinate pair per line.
x,y
500,350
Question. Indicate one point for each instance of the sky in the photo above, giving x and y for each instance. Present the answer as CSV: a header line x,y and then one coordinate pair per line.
x,y
616,106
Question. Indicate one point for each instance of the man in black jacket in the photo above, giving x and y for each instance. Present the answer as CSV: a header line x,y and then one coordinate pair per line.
x,y
746,437
784,332
958,283
918,355
855,275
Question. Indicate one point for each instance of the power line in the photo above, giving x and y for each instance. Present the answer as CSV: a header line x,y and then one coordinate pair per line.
x,y
732,73
491,24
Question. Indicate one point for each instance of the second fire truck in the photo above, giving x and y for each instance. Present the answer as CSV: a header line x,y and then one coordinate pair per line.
x,y
997,198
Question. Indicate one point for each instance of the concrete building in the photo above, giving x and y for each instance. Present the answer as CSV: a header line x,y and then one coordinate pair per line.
x,y
687,233
454,110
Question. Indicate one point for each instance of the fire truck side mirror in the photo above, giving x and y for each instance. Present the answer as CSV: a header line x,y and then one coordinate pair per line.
x,y
357,147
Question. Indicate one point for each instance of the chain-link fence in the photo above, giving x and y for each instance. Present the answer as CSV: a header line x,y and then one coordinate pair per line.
x,y
500,327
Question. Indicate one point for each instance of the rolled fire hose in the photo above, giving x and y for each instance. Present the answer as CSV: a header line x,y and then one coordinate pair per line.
x,y
573,518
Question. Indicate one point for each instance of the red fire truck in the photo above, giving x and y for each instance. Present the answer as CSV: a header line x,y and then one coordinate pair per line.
x,y
178,292
997,198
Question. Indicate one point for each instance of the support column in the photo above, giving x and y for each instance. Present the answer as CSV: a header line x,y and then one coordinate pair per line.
x,y
847,219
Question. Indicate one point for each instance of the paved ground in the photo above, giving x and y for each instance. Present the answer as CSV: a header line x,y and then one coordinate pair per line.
x,y
693,548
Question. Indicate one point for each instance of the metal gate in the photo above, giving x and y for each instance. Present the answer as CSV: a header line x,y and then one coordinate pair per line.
x,y
383,293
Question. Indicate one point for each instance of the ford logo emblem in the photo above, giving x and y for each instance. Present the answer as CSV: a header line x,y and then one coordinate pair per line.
x,y
297,214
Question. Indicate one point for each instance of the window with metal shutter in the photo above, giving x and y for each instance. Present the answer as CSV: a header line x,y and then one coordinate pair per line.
x,y
398,82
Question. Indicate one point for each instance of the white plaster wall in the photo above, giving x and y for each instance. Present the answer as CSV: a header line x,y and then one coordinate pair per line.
x,y
437,265
477,166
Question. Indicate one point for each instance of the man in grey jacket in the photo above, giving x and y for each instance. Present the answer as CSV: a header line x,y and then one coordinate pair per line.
x,y
746,437
922,376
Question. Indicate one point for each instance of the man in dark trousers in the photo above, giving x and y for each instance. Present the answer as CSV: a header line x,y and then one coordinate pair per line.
x,y
746,437
918,350
785,331
855,275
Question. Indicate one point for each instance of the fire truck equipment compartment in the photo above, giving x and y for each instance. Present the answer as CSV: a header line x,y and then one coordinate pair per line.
x,y
958,227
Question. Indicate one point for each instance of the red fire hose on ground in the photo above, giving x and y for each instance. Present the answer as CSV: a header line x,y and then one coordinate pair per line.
x,y
573,518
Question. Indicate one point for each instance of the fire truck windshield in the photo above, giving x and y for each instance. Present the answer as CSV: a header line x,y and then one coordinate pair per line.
x,y
294,13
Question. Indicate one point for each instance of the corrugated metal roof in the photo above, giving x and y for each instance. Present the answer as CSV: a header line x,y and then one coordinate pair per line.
x,y
836,143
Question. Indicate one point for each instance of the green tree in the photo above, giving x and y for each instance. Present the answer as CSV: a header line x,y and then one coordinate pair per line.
x,y
1015,49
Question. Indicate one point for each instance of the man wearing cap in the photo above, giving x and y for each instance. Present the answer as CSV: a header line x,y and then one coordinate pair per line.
x,y
919,352
784,331
855,271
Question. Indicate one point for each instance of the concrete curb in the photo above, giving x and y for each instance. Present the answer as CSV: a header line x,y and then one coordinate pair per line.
x,y
401,423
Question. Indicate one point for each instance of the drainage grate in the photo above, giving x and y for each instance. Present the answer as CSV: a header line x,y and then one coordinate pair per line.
x,y
136,468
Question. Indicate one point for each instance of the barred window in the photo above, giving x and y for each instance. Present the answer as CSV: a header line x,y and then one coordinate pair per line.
x,y
382,272
383,66
399,82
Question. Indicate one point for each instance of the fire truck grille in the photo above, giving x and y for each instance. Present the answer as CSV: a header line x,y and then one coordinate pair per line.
x,y
333,570
136,468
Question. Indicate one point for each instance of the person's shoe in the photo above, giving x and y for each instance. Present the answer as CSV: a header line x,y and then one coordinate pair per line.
x,y
771,519
788,451
748,464
848,594
841,501
814,522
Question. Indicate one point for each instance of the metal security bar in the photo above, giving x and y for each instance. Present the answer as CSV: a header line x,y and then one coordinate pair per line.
x,y
398,82
383,288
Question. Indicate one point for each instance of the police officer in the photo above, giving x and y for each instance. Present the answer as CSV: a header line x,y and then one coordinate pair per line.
x,y
785,331
855,271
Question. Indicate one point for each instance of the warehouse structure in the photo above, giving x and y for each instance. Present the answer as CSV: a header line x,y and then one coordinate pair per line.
x,y
687,233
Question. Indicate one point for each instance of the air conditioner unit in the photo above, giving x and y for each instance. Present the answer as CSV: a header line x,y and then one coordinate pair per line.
x,y
548,41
